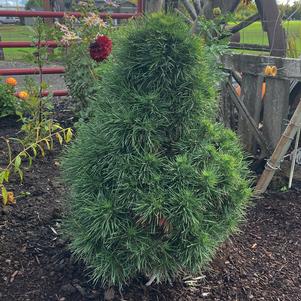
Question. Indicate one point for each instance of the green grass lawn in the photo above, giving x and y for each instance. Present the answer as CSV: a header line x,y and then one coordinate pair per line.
x,y
16,33
19,33
253,34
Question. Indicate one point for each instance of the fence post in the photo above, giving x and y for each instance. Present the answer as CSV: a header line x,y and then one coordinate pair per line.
x,y
226,107
1,52
275,109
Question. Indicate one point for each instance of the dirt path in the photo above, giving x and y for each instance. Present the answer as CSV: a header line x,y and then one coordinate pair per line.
x,y
263,262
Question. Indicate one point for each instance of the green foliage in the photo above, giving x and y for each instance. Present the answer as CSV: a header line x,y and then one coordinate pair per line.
x,y
7,100
155,184
34,4
245,11
28,153
214,32
81,78
36,112
81,75
291,11
292,50
38,131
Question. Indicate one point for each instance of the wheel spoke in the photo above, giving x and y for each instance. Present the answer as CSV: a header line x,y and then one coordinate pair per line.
x,y
190,9
245,23
245,46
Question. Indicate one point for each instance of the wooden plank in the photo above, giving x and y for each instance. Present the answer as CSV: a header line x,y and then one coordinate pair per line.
x,y
251,96
281,149
226,106
253,126
245,63
245,46
275,112
236,76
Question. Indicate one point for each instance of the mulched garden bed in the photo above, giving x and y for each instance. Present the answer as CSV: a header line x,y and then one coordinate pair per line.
x,y
262,262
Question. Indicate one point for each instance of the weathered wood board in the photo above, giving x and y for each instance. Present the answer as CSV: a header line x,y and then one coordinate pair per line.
x,y
261,120
275,111
251,94
252,64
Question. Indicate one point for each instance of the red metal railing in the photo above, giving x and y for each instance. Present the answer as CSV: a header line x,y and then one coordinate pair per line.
x,y
54,14
51,44
54,93
28,71
26,44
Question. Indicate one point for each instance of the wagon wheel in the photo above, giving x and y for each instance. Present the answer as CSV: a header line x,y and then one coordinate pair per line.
x,y
268,14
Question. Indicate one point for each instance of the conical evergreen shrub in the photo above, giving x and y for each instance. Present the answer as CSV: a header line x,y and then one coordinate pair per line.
x,y
155,184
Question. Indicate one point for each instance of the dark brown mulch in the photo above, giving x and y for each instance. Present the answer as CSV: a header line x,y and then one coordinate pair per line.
x,y
263,262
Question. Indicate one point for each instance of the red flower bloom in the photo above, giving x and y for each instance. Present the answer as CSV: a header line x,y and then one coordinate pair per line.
x,y
101,48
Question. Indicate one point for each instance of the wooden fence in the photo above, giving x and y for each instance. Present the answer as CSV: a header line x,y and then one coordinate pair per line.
x,y
255,105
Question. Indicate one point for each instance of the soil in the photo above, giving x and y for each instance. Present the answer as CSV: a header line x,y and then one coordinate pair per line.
x,y
262,262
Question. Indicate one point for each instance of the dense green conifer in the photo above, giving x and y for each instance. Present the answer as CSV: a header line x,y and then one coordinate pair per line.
x,y
155,184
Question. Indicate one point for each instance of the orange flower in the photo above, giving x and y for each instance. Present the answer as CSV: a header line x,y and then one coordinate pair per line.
x,y
270,71
11,81
274,71
23,95
11,198
267,70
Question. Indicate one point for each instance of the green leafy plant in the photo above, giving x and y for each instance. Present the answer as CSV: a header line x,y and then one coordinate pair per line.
x,y
29,152
35,111
39,131
7,99
292,46
82,77
215,32
155,184
34,108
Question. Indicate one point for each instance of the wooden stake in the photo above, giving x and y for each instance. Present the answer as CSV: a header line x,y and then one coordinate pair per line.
x,y
281,149
294,159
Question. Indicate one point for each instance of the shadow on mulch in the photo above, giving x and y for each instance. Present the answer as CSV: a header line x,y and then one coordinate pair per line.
x,y
263,262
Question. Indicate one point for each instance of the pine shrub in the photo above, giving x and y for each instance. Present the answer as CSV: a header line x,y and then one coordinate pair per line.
x,y
155,184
